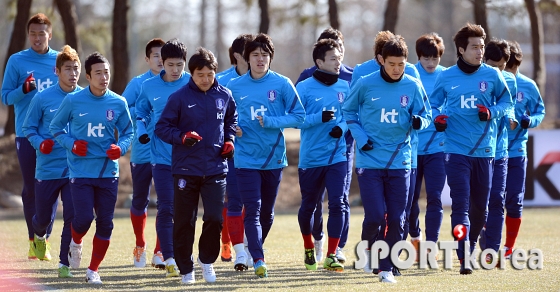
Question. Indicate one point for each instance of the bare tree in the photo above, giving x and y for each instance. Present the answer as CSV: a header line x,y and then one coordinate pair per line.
x,y
333,14
481,16
202,26
17,43
220,48
391,15
537,44
119,46
67,11
265,17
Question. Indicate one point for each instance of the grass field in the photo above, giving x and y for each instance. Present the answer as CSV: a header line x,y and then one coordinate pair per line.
x,y
284,255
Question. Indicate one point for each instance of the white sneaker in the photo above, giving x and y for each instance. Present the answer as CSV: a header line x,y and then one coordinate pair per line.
x,y
386,277
241,260
92,277
340,255
367,267
157,261
208,272
171,269
75,255
188,278
139,256
319,249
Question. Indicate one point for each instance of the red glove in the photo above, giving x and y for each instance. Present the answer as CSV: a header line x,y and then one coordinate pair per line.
x,y
227,150
29,84
190,138
440,123
46,146
114,152
80,147
483,113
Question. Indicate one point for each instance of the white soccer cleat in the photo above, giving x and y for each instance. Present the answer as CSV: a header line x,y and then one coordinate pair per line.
x,y
92,277
139,257
319,249
157,261
188,278
340,255
386,277
208,272
75,255
241,260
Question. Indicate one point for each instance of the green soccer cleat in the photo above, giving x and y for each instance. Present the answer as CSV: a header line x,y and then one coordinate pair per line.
x,y
47,256
331,263
31,252
260,269
39,247
64,272
309,259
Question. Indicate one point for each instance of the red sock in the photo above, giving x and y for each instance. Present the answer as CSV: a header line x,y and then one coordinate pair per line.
x,y
235,229
333,244
512,229
225,230
100,247
138,225
308,241
77,237
158,248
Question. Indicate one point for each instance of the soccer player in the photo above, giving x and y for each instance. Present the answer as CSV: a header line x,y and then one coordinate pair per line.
x,y
429,49
92,116
51,175
383,108
140,166
529,111
199,121
475,96
323,151
267,102
345,73
150,104
496,54
28,72
233,230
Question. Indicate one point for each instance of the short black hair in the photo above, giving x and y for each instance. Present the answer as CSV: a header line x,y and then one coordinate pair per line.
x,y
202,58
262,41
238,46
174,49
331,33
153,43
516,56
496,50
429,45
321,48
394,47
94,58
470,30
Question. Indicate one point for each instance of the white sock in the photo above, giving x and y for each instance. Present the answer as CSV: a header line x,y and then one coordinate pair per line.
x,y
238,248
170,261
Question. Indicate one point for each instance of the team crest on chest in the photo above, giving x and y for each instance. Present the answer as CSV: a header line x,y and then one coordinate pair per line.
x,y
272,94
404,100
220,104
340,96
483,86
110,115
359,171
519,97
182,184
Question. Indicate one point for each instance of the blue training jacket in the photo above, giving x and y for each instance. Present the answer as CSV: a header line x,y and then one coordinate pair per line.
x,y
503,123
211,114
227,76
93,119
41,111
18,68
430,141
372,66
317,147
273,97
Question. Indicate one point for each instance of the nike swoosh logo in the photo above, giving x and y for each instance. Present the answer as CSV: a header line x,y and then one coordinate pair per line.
x,y
54,110
453,87
317,99
156,98
243,97
81,115
191,105
374,99
29,72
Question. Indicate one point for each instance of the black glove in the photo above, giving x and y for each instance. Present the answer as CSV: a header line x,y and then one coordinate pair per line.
x,y
483,113
525,121
440,123
327,116
416,122
144,139
190,138
29,84
336,132
368,146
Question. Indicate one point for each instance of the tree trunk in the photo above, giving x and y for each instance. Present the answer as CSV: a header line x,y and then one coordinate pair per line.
x,y
120,47
202,26
391,15
17,43
67,11
265,18
481,16
333,14
537,43
220,48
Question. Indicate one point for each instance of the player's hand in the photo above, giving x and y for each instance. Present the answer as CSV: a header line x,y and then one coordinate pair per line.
x,y
525,121
144,139
46,146
416,122
368,146
29,84
114,152
238,131
483,113
227,149
191,138
261,121
327,116
80,147
512,124
440,123
336,132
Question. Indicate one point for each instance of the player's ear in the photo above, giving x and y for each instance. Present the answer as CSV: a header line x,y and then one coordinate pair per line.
x,y
57,71
461,50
